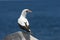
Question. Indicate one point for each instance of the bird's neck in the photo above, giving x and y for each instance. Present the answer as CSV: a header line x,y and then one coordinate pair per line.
x,y
23,14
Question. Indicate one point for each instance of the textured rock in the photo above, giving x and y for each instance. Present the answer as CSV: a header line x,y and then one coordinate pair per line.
x,y
20,36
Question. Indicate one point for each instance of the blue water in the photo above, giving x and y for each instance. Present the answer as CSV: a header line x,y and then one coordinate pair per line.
x,y
44,20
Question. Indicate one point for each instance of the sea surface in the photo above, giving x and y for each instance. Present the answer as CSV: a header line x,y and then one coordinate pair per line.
x,y
44,19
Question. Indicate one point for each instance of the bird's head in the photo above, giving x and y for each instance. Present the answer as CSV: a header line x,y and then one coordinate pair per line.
x,y
27,10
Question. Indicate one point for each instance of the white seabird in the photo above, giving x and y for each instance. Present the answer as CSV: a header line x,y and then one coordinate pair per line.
x,y
23,22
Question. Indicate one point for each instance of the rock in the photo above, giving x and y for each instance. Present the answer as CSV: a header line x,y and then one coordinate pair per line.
x,y
20,36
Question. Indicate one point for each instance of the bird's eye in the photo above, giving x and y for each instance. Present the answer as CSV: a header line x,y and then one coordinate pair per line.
x,y
26,11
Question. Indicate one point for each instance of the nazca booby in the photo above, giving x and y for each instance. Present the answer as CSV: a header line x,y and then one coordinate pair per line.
x,y
23,22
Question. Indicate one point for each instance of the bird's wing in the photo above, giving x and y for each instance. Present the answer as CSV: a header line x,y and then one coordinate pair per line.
x,y
27,26
23,22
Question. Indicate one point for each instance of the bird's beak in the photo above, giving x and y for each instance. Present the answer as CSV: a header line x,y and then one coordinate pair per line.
x,y
30,11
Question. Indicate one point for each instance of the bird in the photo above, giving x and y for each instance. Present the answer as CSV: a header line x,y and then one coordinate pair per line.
x,y
23,21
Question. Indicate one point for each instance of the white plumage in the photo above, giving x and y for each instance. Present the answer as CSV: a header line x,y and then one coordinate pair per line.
x,y
22,20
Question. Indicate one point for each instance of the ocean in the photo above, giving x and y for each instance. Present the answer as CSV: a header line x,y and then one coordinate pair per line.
x,y
44,19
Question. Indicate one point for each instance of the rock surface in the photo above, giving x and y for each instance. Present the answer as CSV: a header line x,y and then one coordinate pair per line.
x,y
20,36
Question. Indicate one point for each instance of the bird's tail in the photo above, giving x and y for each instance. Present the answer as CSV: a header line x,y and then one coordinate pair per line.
x,y
30,32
